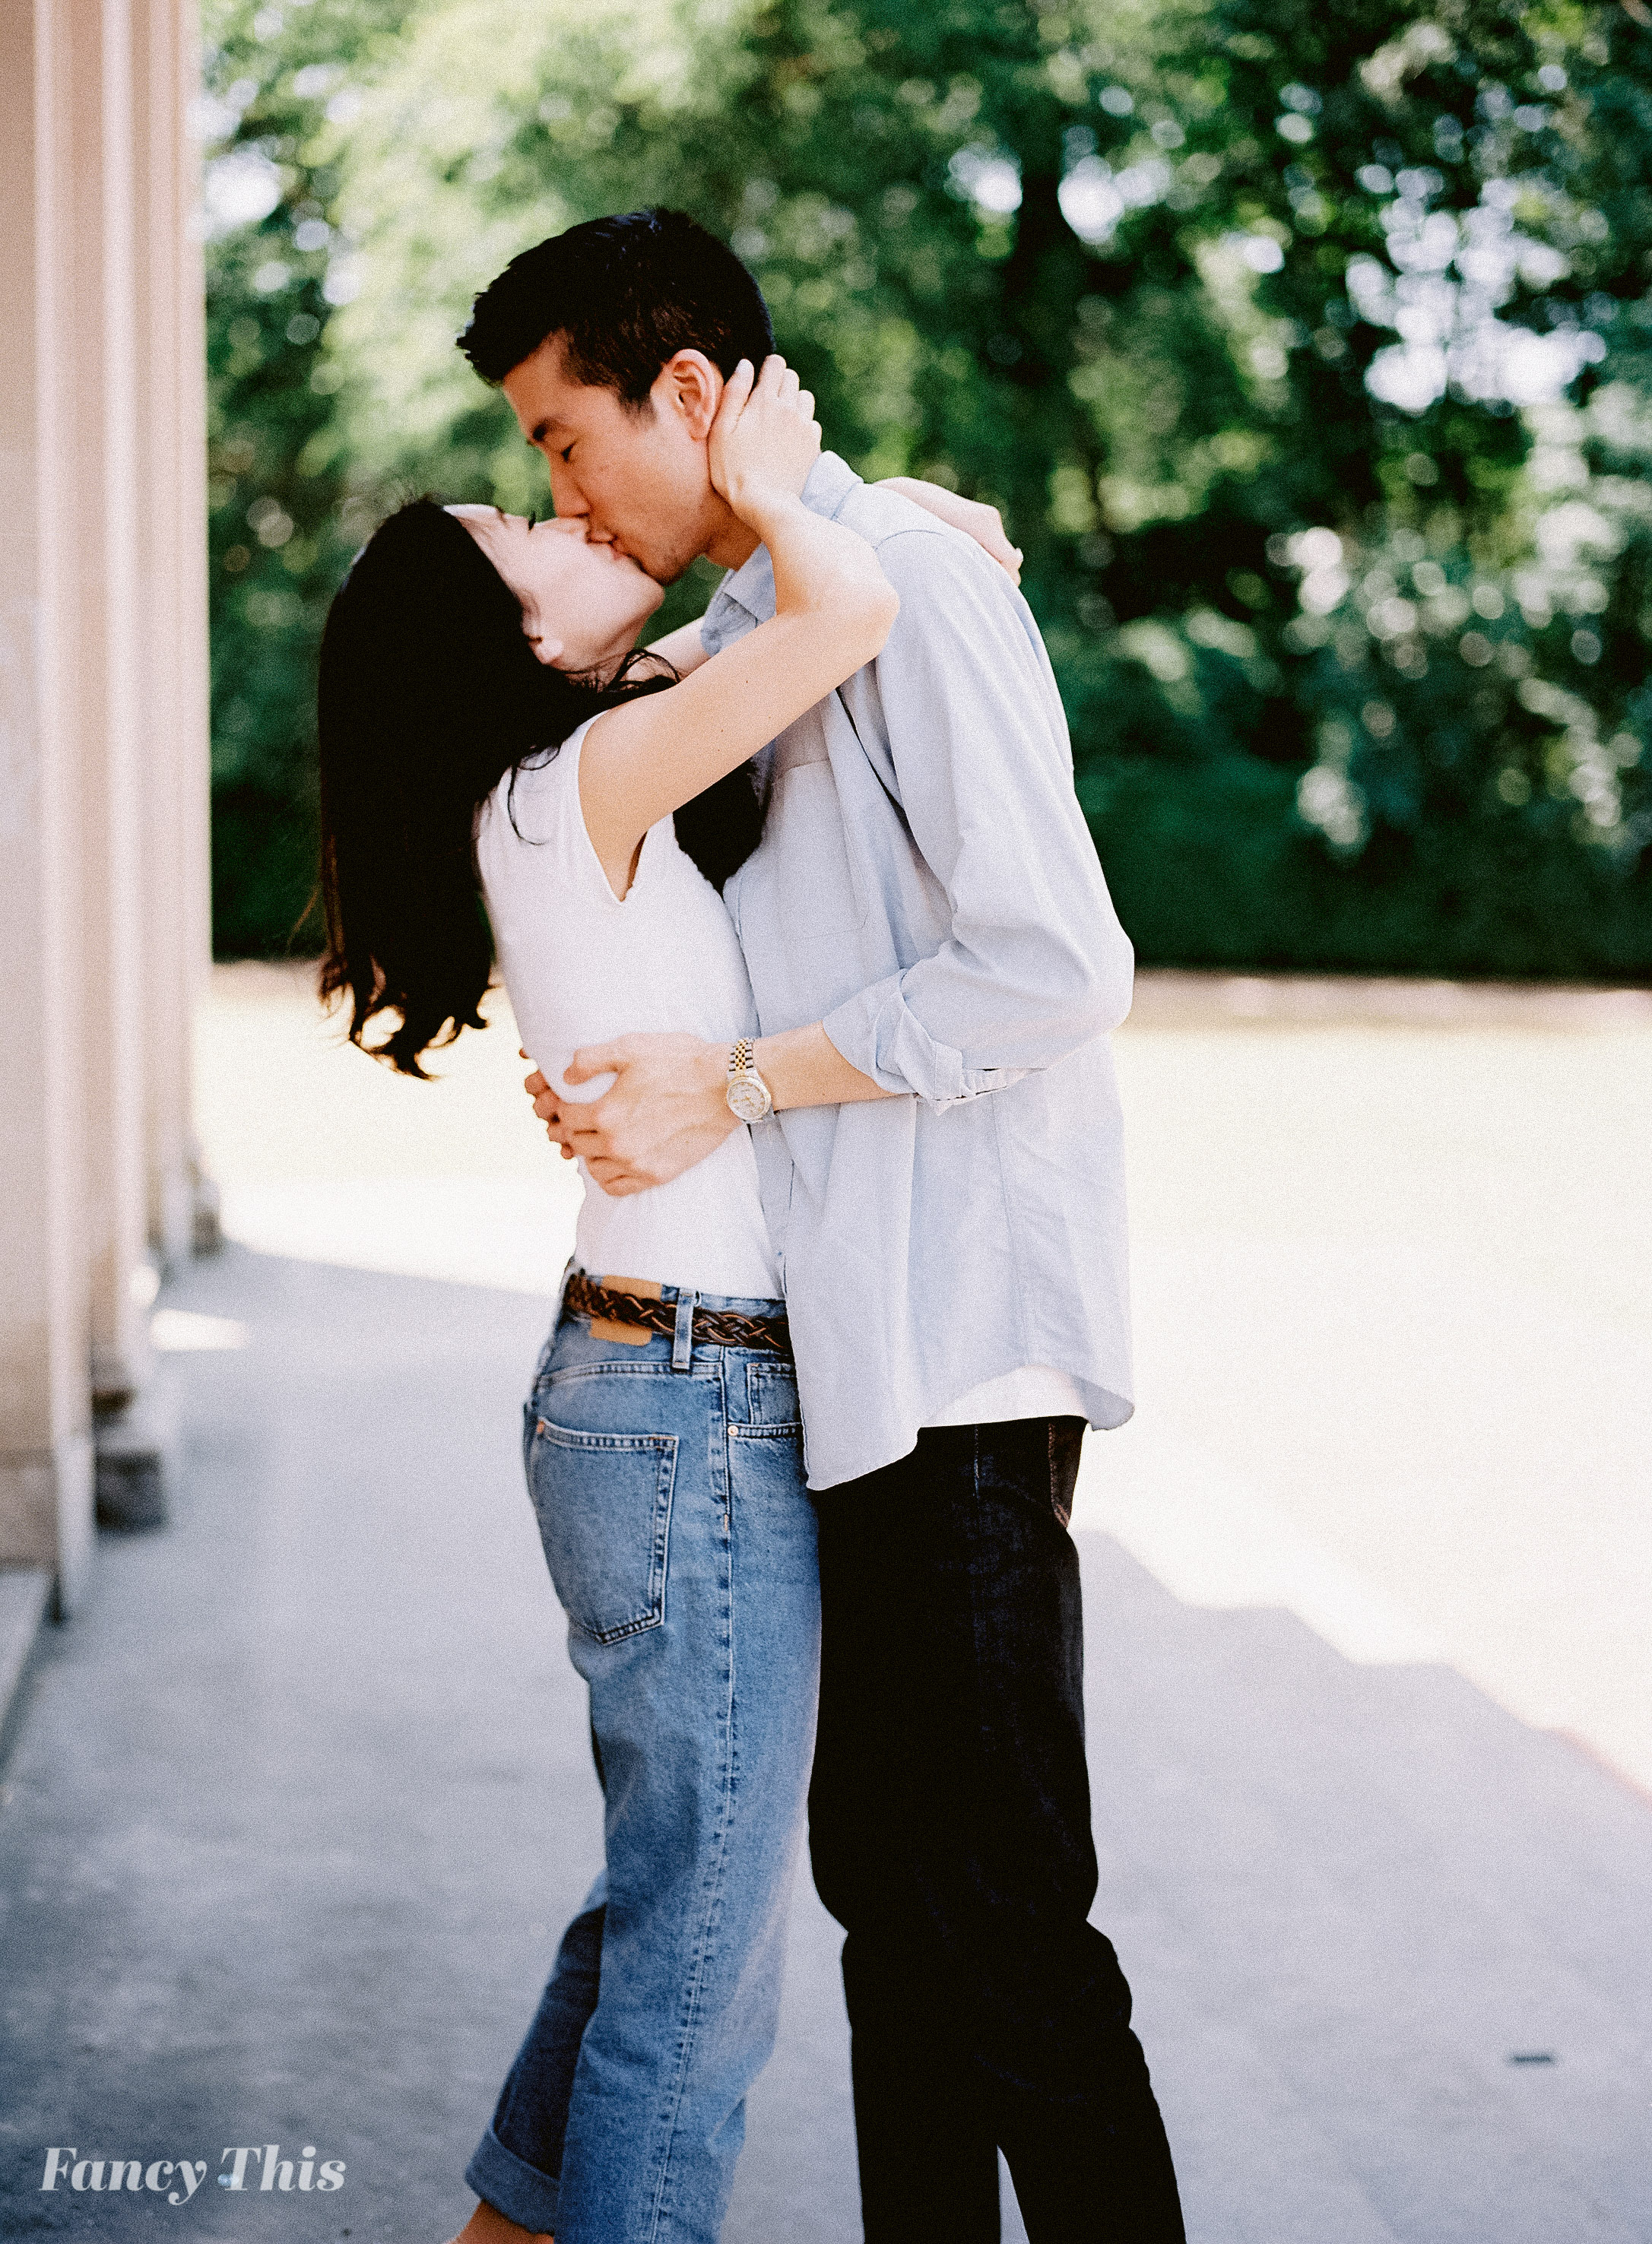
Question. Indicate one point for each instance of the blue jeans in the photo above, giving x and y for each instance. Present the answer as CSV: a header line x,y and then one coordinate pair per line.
x,y
682,1542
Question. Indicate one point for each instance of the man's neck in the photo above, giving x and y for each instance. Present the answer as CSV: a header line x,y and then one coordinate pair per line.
x,y
734,546
731,542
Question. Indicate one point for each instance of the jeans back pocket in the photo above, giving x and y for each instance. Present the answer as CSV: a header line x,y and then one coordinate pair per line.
x,y
603,1508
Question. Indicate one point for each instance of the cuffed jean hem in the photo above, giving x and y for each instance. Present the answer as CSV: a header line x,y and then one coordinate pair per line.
x,y
511,2187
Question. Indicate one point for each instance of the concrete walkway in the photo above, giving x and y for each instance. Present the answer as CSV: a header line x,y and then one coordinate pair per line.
x,y
302,1797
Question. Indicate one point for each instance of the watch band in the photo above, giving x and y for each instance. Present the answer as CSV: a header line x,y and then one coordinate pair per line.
x,y
747,1094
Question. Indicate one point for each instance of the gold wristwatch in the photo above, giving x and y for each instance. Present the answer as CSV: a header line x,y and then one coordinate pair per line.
x,y
747,1094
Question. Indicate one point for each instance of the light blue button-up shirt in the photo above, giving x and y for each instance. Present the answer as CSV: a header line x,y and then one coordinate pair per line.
x,y
926,886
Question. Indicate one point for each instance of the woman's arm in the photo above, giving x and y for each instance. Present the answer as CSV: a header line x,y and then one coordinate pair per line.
x,y
683,650
833,611
972,516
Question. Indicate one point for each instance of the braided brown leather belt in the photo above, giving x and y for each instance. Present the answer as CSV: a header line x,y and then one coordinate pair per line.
x,y
718,1327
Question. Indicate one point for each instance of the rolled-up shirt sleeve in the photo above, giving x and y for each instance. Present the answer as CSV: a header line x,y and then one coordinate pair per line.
x,y
962,709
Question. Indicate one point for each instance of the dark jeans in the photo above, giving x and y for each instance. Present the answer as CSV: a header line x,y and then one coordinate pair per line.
x,y
949,1828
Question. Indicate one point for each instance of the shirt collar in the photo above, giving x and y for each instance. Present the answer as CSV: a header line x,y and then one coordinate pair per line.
x,y
746,595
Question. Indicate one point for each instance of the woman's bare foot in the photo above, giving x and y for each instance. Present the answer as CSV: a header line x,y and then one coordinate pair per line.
x,y
487,2226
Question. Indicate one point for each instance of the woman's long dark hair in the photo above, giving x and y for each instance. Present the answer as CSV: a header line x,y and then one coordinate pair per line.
x,y
430,694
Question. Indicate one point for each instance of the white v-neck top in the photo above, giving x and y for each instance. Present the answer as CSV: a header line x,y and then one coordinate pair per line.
x,y
581,965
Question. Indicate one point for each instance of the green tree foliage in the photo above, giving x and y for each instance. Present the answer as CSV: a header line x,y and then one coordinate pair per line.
x,y
1306,351
278,96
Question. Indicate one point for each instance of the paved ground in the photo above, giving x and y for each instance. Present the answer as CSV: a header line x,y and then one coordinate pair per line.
x,y
303,1794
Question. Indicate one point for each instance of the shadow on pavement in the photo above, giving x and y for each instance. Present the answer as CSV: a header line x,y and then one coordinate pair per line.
x,y
304,1796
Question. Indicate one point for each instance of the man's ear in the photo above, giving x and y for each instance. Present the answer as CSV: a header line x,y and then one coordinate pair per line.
x,y
690,387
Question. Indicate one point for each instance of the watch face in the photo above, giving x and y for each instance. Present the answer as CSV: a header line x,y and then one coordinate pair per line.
x,y
749,1098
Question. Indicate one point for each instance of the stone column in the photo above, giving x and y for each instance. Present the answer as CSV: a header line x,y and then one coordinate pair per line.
x,y
102,357
172,532
103,758
45,1449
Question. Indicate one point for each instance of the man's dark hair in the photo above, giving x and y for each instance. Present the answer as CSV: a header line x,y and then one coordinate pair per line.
x,y
626,293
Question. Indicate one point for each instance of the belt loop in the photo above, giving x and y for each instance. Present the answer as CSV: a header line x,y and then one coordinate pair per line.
x,y
683,1340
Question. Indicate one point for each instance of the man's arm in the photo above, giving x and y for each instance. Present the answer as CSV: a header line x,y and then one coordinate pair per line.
x,y
961,718
667,1105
